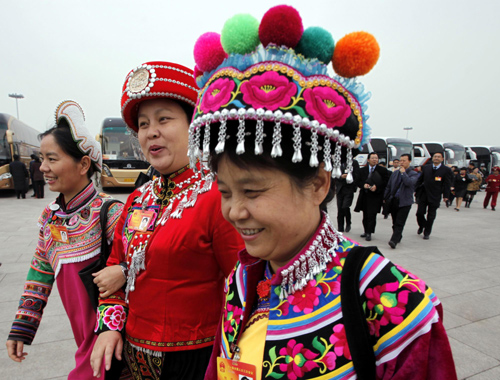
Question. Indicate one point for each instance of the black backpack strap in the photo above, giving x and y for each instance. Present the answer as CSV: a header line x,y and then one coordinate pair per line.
x,y
103,217
356,327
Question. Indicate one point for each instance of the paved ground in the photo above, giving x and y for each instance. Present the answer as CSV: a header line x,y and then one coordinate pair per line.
x,y
460,262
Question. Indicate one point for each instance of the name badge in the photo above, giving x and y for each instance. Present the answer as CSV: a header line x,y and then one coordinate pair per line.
x,y
228,369
141,220
59,233
437,178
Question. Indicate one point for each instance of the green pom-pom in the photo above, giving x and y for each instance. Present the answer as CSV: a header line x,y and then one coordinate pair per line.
x,y
318,43
240,34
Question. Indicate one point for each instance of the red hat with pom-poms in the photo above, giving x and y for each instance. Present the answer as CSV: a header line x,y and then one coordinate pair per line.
x,y
154,80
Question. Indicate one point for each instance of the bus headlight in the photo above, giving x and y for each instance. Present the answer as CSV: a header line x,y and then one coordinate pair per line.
x,y
107,171
5,176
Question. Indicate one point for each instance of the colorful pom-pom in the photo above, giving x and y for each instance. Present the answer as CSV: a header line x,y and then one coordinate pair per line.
x,y
281,25
317,43
197,72
240,34
208,51
355,54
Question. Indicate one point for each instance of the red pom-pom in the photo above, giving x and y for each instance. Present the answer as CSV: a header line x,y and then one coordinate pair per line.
x,y
197,72
208,51
355,54
281,25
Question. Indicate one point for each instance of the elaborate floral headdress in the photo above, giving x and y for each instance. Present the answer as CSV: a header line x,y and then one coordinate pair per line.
x,y
275,73
86,143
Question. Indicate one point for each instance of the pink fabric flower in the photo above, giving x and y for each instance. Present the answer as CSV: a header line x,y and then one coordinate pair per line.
x,y
114,317
329,360
384,300
217,94
305,299
269,90
339,341
298,360
232,316
327,106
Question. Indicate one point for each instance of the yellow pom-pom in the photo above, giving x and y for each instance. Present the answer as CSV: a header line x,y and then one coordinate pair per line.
x,y
355,54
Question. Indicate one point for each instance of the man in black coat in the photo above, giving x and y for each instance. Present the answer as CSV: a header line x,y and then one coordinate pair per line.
x,y
434,182
344,192
372,181
20,176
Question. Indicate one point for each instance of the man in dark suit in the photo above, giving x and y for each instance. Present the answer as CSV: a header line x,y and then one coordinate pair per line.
x,y
434,182
344,192
20,176
372,181
398,197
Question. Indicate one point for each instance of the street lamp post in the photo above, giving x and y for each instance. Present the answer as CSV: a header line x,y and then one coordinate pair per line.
x,y
17,97
407,129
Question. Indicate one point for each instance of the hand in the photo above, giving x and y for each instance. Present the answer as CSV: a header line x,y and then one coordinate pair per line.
x,y
445,199
402,170
15,350
109,280
107,343
343,176
373,188
366,186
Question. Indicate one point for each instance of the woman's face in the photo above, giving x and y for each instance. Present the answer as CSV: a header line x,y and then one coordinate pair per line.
x,y
274,218
61,172
163,134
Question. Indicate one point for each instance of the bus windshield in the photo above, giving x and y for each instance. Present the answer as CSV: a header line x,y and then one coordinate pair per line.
x,y
4,145
119,144
402,148
459,159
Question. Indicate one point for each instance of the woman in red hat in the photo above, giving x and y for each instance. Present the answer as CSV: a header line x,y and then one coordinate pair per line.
x,y
173,243
492,188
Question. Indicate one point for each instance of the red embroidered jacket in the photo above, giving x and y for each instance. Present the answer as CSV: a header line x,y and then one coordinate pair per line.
x,y
174,303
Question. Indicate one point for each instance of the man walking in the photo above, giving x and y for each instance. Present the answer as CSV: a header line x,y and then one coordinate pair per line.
x,y
345,194
372,182
398,197
434,182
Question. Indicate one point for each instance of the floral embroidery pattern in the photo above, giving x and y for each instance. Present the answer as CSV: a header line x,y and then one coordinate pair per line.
x,y
295,360
327,106
232,317
113,317
339,341
217,94
305,299
269,90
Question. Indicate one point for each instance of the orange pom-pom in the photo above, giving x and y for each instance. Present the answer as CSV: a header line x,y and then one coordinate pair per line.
x,y
355,54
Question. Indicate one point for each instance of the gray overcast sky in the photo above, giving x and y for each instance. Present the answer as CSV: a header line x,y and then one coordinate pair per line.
x,y
438,71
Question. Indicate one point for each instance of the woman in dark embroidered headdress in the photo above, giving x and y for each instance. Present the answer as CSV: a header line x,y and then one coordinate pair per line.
x,y
173,243
69,238
270,119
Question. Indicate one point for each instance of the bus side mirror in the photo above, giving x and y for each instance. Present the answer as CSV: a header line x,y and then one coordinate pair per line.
x,y
419,150
450,153
394,151
9,135
98,138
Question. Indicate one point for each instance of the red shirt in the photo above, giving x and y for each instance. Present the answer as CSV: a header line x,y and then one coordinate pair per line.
x,y
493,183
177,298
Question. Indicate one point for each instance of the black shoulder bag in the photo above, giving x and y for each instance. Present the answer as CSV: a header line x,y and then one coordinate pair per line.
x,y
86,273
356,327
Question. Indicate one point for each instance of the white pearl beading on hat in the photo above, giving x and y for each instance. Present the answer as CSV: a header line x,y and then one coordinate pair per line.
x,y
297,122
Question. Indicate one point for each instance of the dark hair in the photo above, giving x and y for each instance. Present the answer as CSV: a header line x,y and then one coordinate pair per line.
x,y
371,154
187,108
62,134
441,153
300,173
406,155
464,168
16,157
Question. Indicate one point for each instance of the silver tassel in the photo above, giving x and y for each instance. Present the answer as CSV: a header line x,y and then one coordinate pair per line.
x,y
222,132
240,148
277,151
313,161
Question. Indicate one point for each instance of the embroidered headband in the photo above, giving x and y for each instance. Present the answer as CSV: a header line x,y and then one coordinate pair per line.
x,y
153,80
275,74
86,143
